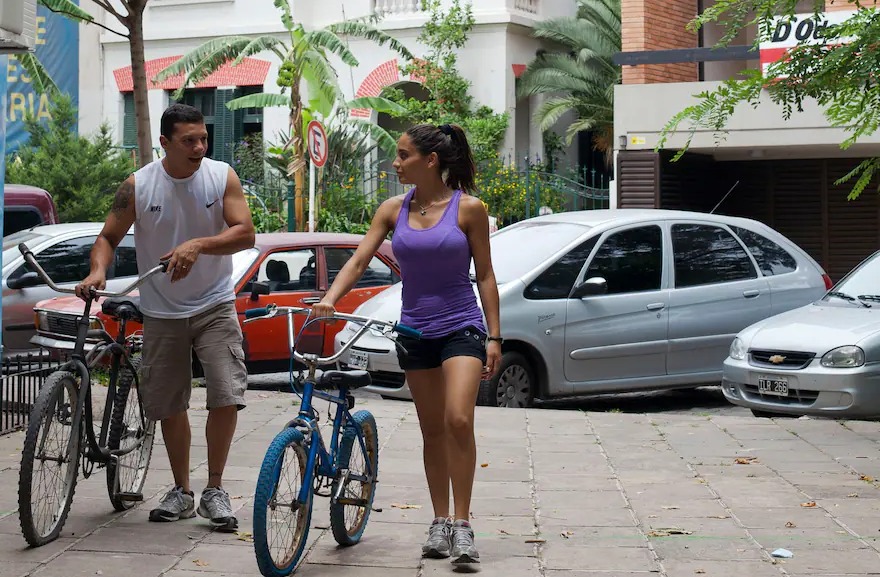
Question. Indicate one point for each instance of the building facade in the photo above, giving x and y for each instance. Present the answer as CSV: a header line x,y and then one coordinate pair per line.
x,y
781,172
499,47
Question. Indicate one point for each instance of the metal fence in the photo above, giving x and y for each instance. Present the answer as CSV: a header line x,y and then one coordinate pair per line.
x,y
20,383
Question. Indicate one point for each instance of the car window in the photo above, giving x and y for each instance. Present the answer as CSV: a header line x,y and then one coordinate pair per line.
x,y
126,258
377,274
64,262
15,220
557,281
289,270
630,261
771,258
706,254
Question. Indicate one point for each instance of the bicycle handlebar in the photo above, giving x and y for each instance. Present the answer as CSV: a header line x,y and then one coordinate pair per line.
x,y
366,323
35,266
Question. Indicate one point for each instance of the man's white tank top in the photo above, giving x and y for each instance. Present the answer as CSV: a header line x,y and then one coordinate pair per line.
x,y
170,211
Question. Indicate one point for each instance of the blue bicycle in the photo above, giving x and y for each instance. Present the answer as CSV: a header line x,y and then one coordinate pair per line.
x,y
298,466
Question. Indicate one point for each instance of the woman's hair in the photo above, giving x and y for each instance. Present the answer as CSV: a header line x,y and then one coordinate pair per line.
x,y
453,151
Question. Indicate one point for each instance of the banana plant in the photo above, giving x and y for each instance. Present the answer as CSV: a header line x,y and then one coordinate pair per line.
x,y
305,67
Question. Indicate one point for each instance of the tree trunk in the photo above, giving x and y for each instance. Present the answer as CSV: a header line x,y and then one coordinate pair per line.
x,y
297,165
139,77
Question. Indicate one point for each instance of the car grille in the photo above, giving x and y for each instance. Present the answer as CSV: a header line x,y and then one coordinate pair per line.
x,y
62,324
795,396
388,379
791,360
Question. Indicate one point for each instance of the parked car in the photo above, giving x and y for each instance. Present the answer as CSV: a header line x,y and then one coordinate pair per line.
x,y
822,359
25,207
63,250
609,301
296,267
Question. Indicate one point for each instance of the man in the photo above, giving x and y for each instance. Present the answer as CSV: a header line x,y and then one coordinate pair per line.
x,y
191,211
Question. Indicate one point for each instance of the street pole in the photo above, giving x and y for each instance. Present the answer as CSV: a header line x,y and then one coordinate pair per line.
x,y
311,197
3,109
291,216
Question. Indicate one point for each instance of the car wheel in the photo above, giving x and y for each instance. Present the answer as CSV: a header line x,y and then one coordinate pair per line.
x,y
512,386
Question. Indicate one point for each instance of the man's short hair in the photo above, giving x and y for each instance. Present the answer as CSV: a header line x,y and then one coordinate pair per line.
x,y
179,113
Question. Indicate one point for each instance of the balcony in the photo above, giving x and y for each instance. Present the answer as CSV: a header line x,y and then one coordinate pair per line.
x,y
403,8
409,8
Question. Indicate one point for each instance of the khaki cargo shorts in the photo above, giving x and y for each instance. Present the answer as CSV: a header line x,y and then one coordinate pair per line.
x,y
166,368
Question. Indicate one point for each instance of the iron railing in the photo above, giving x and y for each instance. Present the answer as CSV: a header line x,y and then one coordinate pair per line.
x,y
20,383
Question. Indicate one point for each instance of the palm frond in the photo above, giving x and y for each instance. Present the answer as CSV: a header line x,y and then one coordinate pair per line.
x,y
67,8
360,29
383,139
40,78
259,100
286,13
327,40
321,78
260,44
551,110
377,103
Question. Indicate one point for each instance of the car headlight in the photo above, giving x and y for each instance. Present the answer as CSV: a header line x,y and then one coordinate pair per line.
x,y
41,320
95,324
738,349
846,357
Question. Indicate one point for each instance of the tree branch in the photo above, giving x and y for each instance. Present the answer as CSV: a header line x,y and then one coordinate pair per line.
x,y
105,4
92,21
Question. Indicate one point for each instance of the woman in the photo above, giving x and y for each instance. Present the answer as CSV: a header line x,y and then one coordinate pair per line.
x,y
438,228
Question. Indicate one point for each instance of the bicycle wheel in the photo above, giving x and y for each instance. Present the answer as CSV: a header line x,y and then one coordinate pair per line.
x,y
349,514
130,430
281,524
49,460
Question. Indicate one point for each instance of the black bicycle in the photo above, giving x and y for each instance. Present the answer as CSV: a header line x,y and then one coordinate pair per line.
x,y
61,433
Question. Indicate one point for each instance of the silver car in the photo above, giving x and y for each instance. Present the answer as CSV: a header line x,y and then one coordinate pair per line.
x,y
63,250
608,301
822,359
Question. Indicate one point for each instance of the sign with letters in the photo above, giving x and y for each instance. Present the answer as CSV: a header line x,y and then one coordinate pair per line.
x,y
317,141
787,33
57,48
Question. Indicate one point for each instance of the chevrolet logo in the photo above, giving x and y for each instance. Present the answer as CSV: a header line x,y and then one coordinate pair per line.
x,y
777,359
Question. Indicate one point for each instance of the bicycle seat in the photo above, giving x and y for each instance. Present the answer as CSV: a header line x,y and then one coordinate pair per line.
x,y
127,308
349,379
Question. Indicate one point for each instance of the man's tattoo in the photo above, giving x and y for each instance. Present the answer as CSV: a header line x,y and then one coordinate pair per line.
x,y
124,195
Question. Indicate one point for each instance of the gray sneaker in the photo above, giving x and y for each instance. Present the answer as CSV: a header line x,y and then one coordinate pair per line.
x,y
175,505
464,552
215,505
437,545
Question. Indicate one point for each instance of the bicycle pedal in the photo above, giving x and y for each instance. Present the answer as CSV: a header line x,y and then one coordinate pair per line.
x,y
131,497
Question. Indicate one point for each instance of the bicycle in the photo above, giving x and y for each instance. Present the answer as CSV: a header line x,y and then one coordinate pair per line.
x,y
124,443
351,486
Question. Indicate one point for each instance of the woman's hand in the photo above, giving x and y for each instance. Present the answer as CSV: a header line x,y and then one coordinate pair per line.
x,y
493,359
323,309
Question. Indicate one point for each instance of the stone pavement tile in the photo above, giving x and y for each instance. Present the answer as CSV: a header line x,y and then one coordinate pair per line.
x,y
87,563
801,538
849,561
583,501
571,554
601,480
16,568
158,538
694,547
186,573
719,527
644,508
776,517
853,489
321,570
866,526
684,490
385,545
595,536
499,506
489,567
519,490
14,546
215,558
728,470
572,517
720,568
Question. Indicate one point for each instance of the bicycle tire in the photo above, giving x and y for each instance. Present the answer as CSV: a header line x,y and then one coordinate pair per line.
x,y
345,533
47,405
138,460
267,484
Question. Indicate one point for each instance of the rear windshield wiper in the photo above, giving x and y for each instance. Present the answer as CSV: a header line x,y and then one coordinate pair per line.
x,y
849,298
873,298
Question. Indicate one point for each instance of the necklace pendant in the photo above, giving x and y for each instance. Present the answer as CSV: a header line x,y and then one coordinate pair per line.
x,y
423,212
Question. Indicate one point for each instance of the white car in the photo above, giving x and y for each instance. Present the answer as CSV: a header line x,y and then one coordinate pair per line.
x,y
610,301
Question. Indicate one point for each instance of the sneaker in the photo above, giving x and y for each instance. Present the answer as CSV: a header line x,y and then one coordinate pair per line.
x,y
215,505
437,545
464,552
175,505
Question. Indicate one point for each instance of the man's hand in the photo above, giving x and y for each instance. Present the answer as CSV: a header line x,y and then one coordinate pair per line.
x,y
95,281
181,259
493,359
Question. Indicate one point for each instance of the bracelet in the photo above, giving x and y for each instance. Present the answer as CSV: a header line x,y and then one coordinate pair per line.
x,y
497,339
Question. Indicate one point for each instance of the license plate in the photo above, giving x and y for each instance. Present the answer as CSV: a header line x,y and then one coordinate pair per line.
x,y
776,386
358,360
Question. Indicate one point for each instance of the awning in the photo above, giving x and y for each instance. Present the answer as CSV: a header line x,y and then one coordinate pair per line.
x,y
250,72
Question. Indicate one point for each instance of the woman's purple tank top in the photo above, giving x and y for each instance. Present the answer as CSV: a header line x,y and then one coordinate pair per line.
x,y
438,297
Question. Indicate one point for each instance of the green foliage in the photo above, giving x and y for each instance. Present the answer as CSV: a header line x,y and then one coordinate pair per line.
x,y
450,101
840,75
249,158
510,193
81,173
581,76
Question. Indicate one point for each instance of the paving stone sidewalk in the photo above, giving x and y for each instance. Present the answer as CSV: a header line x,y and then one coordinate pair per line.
x,y
556,493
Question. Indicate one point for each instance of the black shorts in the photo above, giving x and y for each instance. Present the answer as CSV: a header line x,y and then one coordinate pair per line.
x,y
430,353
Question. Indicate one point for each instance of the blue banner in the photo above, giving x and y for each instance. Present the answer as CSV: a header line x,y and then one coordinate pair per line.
x,y
57,48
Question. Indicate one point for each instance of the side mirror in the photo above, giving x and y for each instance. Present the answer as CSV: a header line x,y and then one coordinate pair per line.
x,y
590,287
259,288
28,279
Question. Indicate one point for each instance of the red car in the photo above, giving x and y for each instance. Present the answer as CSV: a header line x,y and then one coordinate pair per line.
x,y
297,267
26,206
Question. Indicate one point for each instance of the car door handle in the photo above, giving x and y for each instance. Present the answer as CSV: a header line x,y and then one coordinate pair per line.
x,y
656,306
751,293
311,300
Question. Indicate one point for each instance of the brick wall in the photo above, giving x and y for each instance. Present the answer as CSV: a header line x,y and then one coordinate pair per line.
x,y
831,5
658,25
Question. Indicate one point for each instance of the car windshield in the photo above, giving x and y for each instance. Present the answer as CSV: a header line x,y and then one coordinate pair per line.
x,y
242,260
864,281
11,242
519,249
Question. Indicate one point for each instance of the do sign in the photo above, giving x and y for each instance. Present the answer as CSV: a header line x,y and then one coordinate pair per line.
x,y
317,141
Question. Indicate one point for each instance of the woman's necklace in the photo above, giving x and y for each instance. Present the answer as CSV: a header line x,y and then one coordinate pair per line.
x,y
423,210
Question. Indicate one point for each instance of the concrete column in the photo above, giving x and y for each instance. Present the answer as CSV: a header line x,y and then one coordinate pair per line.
x,y
3,109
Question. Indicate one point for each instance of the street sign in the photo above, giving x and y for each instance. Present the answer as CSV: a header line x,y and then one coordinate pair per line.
x,y
317,140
